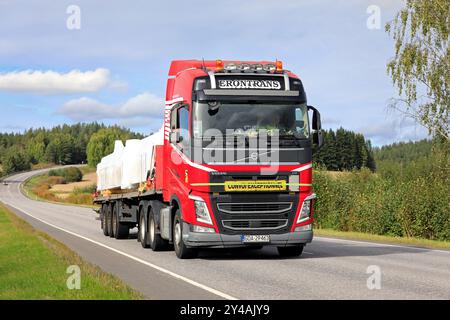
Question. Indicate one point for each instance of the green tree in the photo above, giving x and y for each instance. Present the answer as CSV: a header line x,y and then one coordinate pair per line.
x,y
60,149
14,160
102,143
345,150
420,68
36,148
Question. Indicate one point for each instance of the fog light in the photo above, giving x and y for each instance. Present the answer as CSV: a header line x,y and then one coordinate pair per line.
x,y
307,227
195,228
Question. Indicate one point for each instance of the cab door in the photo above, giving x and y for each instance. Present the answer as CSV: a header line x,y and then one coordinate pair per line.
x,y
180,142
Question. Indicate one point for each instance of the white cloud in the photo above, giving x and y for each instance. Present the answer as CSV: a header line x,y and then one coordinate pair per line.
x,y
394,130
53,82
144,104
86,109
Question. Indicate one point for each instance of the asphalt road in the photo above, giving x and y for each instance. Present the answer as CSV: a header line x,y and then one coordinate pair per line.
x,y
328,269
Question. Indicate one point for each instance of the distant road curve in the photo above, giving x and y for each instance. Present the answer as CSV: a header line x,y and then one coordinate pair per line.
x,y
328,269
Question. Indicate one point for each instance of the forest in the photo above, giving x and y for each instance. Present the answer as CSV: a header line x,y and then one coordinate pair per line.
x,y
66,144
345,150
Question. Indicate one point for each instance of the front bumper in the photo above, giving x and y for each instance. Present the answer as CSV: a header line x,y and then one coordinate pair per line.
x,y
217,240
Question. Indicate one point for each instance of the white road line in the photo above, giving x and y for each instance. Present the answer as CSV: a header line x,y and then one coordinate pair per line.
x,y
379,244
175,275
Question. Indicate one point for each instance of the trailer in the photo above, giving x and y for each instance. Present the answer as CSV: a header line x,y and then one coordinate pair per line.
x,y
231,166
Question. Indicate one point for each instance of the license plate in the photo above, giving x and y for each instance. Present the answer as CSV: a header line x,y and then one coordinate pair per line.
x,y
255,238
255,185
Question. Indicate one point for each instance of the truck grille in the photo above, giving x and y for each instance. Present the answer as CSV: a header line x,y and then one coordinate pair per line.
x,y
254,207
255,224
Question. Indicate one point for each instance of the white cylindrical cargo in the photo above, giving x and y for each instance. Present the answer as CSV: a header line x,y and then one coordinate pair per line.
x,y
128,166
131,164
109,170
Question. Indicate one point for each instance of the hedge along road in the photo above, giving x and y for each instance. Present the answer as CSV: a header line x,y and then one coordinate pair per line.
x,y
328,269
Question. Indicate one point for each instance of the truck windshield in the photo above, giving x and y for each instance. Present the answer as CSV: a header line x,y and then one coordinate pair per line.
x,y
288,120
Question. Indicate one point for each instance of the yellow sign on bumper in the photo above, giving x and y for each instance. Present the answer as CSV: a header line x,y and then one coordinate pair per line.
x,y
255,185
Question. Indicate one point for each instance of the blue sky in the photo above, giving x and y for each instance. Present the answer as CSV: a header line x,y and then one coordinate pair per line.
x,y
114,68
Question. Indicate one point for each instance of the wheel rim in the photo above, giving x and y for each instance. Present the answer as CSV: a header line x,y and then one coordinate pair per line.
x,y
152,230
142,229
177,234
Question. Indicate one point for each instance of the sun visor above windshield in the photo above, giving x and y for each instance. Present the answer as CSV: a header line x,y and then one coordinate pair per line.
x,y
244,86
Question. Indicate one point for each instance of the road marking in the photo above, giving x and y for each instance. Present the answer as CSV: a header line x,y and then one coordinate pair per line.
x,y
173,274
307,252
378,244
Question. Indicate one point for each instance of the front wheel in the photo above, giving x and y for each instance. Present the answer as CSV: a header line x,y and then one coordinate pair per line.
x,y
293,251
181,250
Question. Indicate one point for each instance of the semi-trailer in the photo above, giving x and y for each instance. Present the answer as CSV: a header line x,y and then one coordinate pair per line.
x,y
230,167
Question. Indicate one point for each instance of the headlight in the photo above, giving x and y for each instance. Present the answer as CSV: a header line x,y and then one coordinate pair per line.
x,y
201,210
305,211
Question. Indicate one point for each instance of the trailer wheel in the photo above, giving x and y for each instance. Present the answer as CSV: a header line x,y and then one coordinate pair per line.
x,y
293,251
120,230
156,242
110,220
181,250
104,224
143,234
107,225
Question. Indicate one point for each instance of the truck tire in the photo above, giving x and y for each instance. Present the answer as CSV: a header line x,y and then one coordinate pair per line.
x,y
120,230
156,242
181,250
109,220
107,225
291,251
143,234
104,224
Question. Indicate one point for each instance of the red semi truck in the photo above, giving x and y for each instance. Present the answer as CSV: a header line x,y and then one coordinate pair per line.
x,y
234,168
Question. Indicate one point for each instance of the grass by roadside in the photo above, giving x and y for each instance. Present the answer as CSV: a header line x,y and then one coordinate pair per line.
x,y
415,242
33,266
52,189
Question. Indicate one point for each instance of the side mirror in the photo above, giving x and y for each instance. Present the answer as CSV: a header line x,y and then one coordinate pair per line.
x,y
174,137
317,128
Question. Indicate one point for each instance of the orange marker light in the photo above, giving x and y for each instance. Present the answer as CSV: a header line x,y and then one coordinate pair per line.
x,y
219,65
279,65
